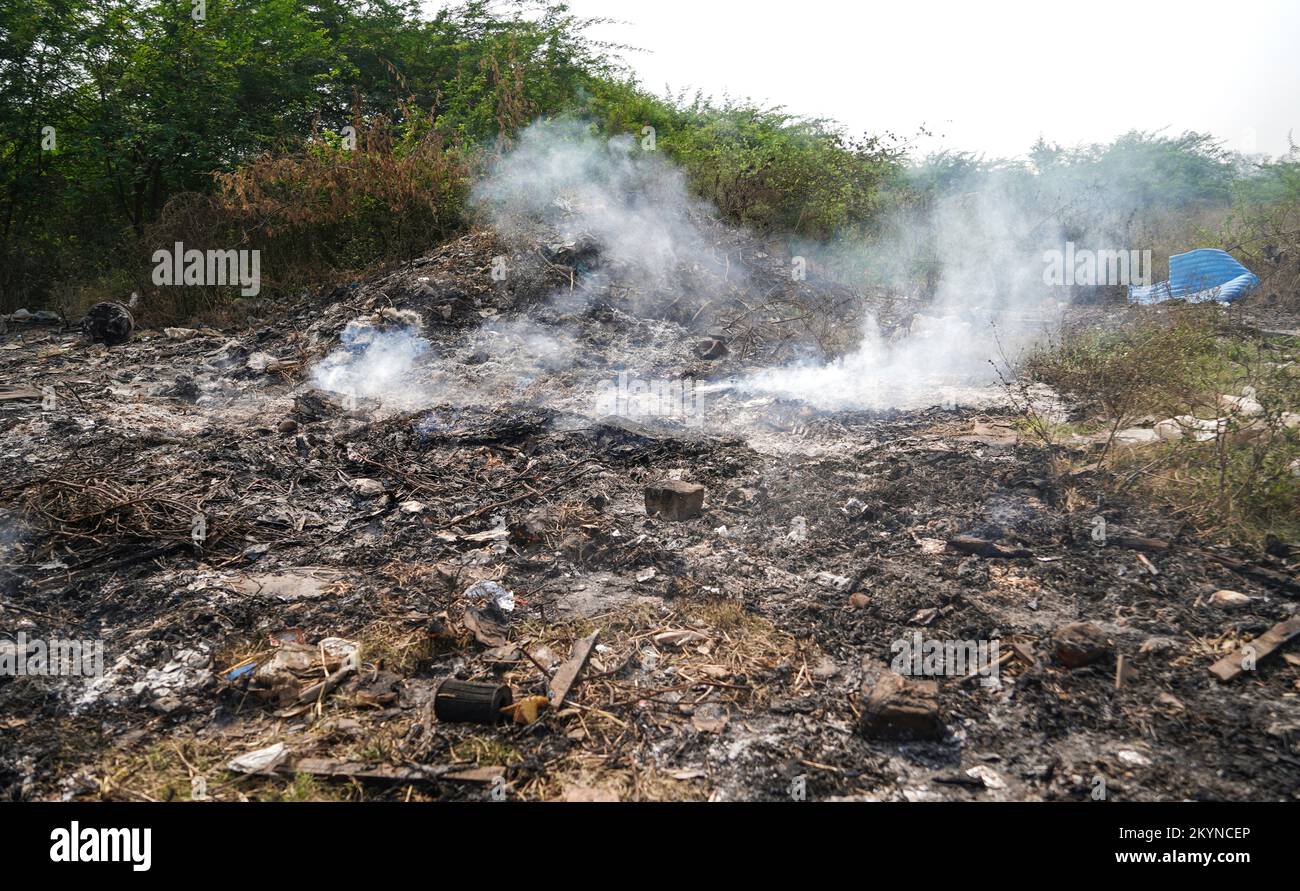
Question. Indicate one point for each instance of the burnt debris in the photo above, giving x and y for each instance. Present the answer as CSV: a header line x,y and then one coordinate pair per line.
x,y
109,323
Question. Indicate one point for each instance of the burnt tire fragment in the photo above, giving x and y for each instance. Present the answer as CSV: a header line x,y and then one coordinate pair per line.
x,y
469,702
109,323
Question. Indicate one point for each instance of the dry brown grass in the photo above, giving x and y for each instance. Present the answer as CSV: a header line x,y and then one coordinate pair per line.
x,y
1180,361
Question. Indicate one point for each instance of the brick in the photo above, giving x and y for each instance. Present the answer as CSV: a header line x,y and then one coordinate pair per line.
x,y
674,499
901,708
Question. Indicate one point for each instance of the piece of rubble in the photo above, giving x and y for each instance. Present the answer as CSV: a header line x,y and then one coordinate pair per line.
x,y
674,499
983,547
17,394
259,361
487,625
1171,701
1229,600
833,581
1245,405
711,717
1132,758
901,708
292,674
1176,428
533,528
711,348
1124,671
367,488
294,583
1080,643
1157,646
315,405
854,508
924,616
858,600
502,658
989,777
1137,435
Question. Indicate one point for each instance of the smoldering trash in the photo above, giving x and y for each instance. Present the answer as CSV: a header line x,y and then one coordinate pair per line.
x,y
610,499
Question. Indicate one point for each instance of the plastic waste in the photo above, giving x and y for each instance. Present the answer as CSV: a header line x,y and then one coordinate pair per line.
x,y
1197,276
492,593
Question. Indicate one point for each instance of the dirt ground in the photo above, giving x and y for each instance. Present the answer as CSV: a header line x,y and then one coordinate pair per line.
x,y
733,647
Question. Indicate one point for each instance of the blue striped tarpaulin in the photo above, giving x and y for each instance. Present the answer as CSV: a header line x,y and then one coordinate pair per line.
x,y
1202,274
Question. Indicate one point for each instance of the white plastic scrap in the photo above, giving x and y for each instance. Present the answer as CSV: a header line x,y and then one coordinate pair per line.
x,y
493,593
1133,758
260,760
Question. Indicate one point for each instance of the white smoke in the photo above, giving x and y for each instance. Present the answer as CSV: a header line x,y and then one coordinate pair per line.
x,y
624,212
524,345
989,305
623,218
944,360
375,361
11,536
629,217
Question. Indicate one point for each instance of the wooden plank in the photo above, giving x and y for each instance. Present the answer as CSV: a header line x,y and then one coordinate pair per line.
x,y
564,678
8,393
1137,543
1257,573
1229,667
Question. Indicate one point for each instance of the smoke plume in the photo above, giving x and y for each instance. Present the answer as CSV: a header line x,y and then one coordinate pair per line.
x,y
376,359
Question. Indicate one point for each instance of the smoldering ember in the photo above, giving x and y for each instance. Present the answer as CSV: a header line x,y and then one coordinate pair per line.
x,y
602,446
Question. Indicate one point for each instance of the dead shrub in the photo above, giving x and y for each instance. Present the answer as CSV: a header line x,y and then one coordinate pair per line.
x,y
335,208
1234,464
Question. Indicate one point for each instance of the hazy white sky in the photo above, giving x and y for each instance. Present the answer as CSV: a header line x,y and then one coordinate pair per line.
x,y
990,76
